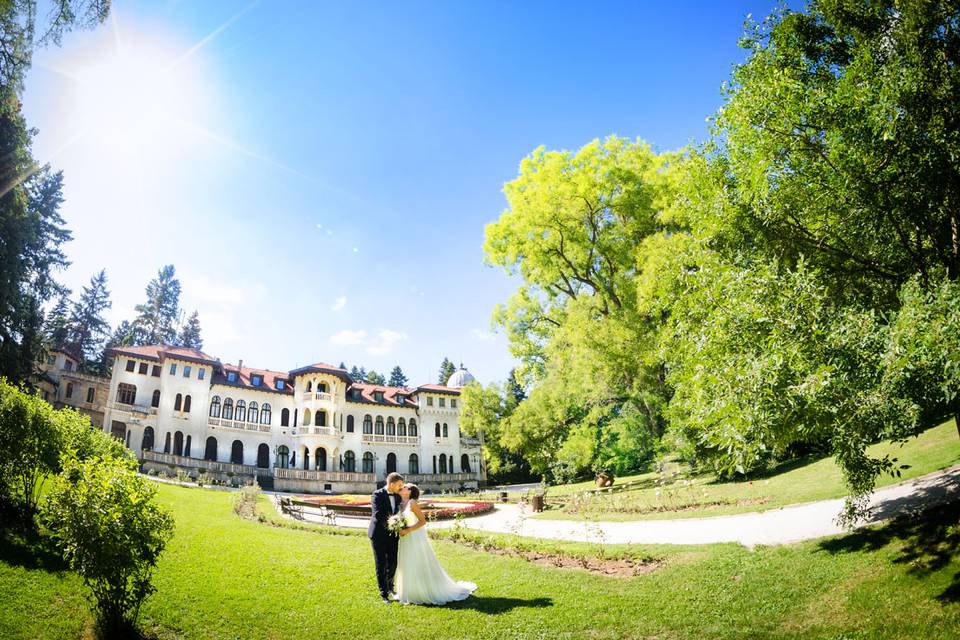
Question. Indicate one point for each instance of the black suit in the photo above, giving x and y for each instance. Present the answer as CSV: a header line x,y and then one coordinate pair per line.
x,y
383,505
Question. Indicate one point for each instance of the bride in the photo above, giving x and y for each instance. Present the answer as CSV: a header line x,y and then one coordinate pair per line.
x,y
420,578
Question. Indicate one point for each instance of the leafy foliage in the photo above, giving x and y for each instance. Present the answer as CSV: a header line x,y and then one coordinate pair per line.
x,y
447,369
397,377
190,333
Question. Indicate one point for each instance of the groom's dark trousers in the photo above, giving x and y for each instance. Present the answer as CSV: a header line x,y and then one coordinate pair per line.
x,y
384,543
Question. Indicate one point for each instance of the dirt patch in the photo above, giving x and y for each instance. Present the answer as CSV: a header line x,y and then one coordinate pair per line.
x,y
617,567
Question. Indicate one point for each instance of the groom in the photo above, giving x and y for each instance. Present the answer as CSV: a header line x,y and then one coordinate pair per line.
x,y
384,503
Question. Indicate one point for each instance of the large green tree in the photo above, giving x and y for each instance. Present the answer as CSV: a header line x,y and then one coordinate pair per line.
x,y
88,329
190,333
157,318
447,369
397,377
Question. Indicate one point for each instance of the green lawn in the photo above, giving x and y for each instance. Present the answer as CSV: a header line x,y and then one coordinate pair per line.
x,y
703,496
224,577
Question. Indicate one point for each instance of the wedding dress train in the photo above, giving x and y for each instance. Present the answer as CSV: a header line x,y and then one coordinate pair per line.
x,y
420,579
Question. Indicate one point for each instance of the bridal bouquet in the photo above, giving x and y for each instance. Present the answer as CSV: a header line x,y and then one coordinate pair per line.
x,y
396,523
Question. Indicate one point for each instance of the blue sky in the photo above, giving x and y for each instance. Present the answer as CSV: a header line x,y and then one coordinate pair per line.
x,y
320,173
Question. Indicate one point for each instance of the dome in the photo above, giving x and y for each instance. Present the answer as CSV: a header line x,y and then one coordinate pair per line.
x,y
460,378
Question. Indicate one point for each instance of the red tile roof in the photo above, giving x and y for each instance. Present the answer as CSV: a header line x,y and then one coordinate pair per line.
x,y
438,388
367,392
323,367
244,379
160,351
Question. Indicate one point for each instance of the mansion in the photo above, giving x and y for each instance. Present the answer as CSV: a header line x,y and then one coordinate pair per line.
x,y
312,429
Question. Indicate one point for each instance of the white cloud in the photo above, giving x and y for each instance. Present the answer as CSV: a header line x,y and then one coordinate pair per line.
x,y
483,336
386,339
339,303
356,250
348,337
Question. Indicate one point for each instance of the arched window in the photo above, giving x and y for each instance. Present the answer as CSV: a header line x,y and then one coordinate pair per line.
x,y
186,447
178,443
253,413
320,459
265,414
241,415
413,465
349,424
465,463
228,409
378,428
391,427
215,407
178,403
320,419
445,432
236,452
155,400
285,417
401,427
283,457
349,462
263,455
147,443
186,404
413,428
443,463
126,393
367,424
91,394
322,387
436,430
306,459
391,462
309,386
69,389
367,462
306,417
166,443
211,451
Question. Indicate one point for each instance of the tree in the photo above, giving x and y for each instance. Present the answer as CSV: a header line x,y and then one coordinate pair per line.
x,y
190,333
446,370
375,378
483,411
88,329
57,323
111,532
156,321
343,366
397,377
355,374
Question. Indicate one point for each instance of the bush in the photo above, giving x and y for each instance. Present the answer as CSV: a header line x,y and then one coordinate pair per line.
x,y
111,533
82,440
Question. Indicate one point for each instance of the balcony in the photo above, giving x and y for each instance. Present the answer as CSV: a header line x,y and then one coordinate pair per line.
x,y
317,431
237,425
324,476
317,395
369,438
135,410
440,477
209,465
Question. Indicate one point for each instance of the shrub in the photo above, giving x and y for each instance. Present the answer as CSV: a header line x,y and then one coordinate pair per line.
x,y
111,533
82,440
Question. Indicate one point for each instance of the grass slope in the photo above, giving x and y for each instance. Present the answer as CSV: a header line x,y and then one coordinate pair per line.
x,y
223,577
790,483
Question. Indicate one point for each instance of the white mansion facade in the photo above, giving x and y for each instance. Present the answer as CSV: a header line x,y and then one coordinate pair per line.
x,y
310,430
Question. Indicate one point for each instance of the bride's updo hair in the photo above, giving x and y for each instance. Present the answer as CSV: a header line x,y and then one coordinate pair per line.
x,y
414,491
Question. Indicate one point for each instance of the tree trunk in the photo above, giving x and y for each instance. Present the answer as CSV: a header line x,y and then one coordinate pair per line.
x,y
956,421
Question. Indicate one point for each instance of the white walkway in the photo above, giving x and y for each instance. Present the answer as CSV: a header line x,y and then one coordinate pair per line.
x,y
777,526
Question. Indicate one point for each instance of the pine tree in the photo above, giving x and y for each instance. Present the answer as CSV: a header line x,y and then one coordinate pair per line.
x,y
397,377
375,378
343,366
446,370
355,374
121,336
190,333
362,375
57,325
156,321
88,329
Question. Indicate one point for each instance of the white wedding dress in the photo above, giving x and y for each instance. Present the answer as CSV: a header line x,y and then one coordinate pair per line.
x,y
420,579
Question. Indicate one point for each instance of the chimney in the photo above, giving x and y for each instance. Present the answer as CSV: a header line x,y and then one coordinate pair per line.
x,y
240,366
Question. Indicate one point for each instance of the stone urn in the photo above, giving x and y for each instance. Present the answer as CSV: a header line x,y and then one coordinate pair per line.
x,y
604,479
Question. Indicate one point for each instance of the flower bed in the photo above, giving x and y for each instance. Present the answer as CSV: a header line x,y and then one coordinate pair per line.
x,y
359,505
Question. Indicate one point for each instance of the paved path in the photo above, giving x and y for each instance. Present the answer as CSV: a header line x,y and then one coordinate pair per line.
x,y
776,526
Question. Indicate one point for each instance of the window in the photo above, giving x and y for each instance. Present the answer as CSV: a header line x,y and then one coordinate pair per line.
x,y
401,427
186,404
253,413
443,402
443,463
90,394
309,386
215,407
349,424
368,462
186,370
69,389
256,379
131,365
413,428
236,452
155,372
349,462
445,433
306,417
321,387
465,463
178,403
143,368
201,372
436,431
265,416
320,419
391,427
283,457
210,453
378,396
378,429
399,398
68,365
413,466
241,413
367,424
281,384
173,368
429,401
231,376
453,403
155,400
228,409
285,417
126,393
